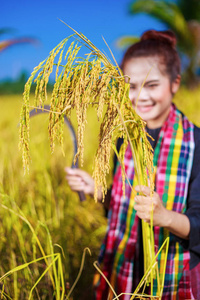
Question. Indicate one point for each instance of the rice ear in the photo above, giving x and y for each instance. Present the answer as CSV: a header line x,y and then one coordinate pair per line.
x,y
80,83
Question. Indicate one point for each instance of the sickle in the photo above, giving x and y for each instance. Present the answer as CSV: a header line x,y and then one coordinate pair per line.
x,y
45,109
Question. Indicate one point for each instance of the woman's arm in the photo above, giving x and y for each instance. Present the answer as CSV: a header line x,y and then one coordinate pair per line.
x,y
176,223
193,201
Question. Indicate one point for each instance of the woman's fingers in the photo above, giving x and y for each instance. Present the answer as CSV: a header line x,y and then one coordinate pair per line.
x,y
145,203
145,190
75,172
76,184
79,180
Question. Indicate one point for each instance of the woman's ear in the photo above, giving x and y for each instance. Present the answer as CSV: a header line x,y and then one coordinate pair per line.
x,y
176,84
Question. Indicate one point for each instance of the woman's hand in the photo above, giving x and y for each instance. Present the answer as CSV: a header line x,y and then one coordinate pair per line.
x,y
80,180
145,204
176,223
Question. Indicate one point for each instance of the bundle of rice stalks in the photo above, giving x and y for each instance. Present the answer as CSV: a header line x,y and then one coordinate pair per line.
x,y
80,82
91,81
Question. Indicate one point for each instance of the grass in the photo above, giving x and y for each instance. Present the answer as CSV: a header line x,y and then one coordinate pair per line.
x,y
46,201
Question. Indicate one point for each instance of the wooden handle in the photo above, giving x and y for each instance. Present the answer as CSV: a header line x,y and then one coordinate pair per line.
x,y
81,196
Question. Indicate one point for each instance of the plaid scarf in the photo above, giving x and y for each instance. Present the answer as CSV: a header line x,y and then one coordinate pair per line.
x,y
173,157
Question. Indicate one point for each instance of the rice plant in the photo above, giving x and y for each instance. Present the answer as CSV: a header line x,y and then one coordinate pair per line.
x,y
91,81
43,196
53,211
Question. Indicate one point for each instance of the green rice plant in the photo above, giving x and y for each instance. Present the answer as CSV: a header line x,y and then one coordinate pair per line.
x,y
55,258
52,261
53,277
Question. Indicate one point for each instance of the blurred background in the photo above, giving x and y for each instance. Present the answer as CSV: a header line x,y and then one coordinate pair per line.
x,y
38,22
29,30
39,206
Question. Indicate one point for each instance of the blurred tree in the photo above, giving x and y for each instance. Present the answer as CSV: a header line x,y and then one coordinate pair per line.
x,y
183,17
10,87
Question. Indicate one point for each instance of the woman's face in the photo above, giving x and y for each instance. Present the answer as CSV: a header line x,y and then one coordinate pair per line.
x,y
153,100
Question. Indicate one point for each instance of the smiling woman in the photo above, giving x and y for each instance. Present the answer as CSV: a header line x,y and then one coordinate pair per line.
x,y
151,91
152,69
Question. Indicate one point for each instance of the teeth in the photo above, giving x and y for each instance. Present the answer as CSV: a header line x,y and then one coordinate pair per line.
x,y
145,106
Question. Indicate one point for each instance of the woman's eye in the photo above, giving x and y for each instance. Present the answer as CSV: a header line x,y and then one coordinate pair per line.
x,y
132,87
152,85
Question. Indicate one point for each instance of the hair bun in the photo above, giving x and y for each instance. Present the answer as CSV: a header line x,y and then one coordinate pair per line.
x,y
166,36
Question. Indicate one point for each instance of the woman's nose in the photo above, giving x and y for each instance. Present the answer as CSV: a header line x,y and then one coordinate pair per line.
x,y
143,94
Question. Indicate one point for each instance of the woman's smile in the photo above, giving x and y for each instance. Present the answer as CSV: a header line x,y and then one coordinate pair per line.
x,y
144,108
151,90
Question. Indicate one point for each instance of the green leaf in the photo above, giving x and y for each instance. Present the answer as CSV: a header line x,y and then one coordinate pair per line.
x,y
167,12
126,41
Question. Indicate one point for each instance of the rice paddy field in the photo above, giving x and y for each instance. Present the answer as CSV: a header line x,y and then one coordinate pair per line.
x,y
41,218
40,205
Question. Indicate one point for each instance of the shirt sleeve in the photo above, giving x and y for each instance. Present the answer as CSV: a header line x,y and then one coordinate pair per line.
x,y
193,201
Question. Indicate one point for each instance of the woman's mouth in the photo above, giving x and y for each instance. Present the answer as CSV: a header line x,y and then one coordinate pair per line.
x,y
144,108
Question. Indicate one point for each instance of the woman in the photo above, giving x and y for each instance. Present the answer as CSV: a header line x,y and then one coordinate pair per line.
x,y
176,200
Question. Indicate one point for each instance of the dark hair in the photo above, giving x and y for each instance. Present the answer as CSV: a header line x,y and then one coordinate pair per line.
x,y
157,43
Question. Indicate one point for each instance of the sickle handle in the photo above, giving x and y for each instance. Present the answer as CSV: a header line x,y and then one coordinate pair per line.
x,y
81,196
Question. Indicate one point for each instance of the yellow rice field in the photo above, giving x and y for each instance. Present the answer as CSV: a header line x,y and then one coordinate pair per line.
x,y
58,220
